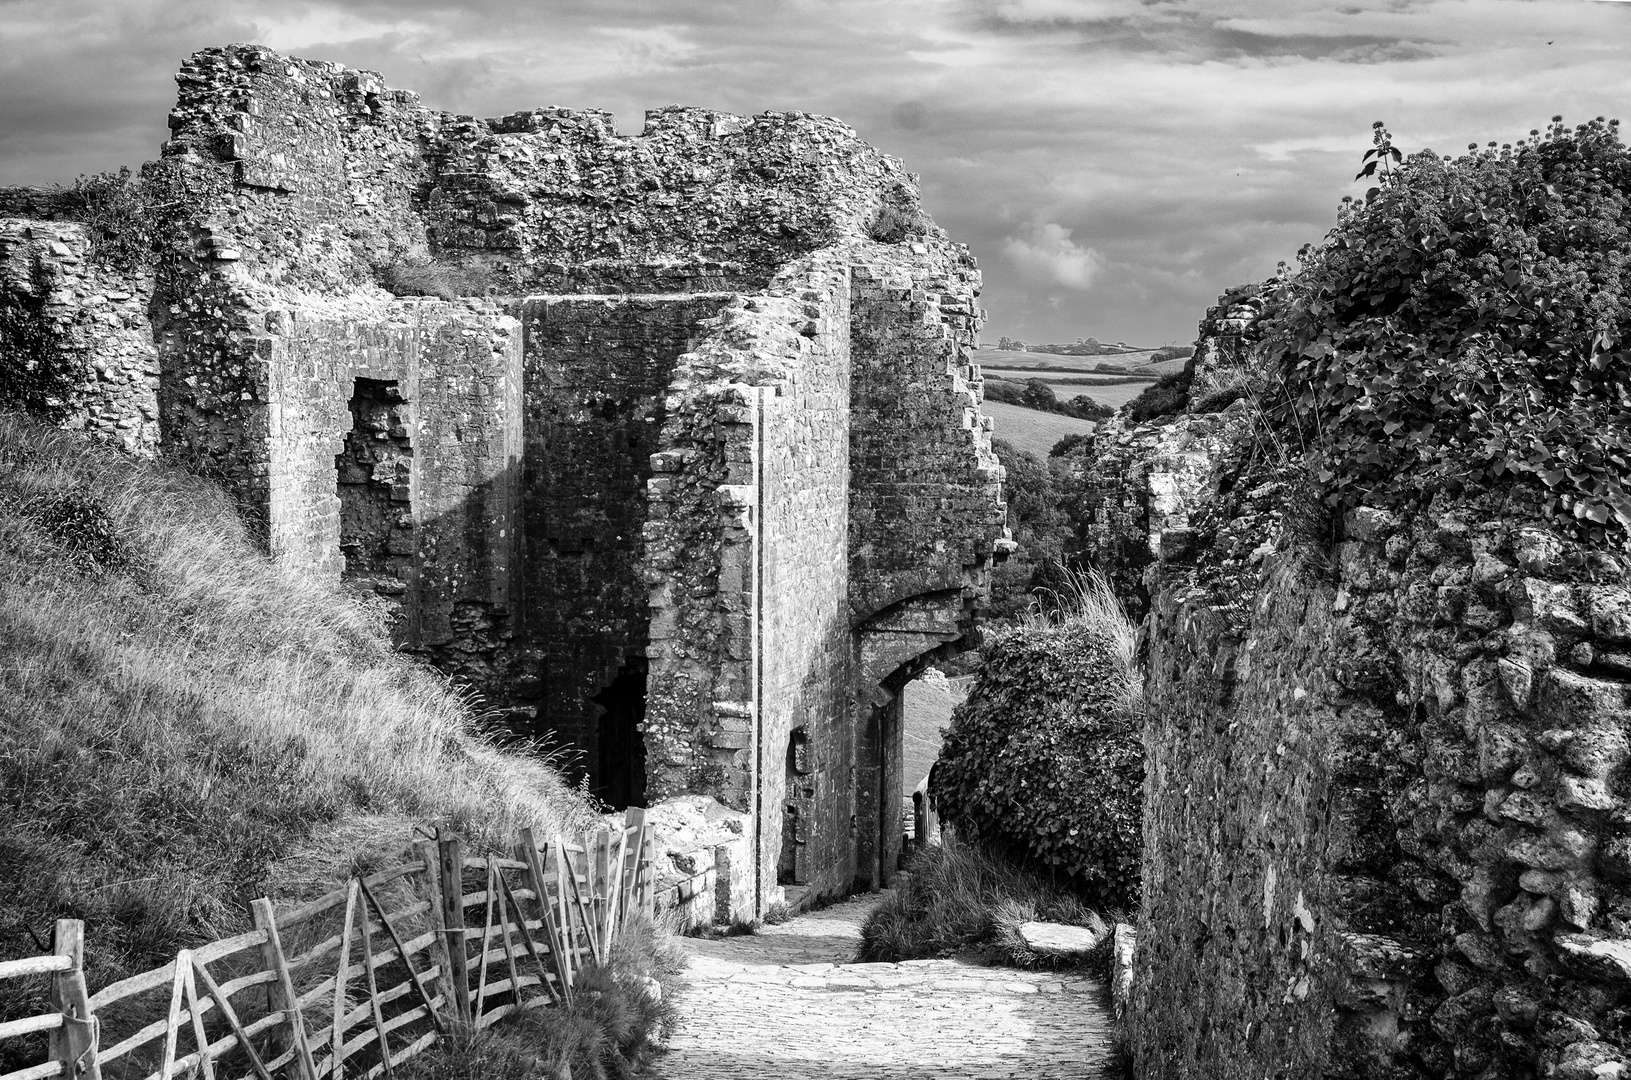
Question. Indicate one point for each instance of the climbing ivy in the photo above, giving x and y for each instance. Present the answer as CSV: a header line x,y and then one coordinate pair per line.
x,y
1467,324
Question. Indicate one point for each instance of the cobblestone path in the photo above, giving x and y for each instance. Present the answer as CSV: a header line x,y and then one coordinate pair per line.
x,y
785,1004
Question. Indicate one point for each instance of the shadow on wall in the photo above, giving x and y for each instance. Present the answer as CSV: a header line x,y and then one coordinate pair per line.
x,y
560,690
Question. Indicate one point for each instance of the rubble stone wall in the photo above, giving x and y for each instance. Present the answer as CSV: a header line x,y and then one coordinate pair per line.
x,y
1383,807
93,324
597,376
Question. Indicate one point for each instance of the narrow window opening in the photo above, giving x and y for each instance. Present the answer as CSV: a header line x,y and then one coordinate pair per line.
x,y
792,867
374,482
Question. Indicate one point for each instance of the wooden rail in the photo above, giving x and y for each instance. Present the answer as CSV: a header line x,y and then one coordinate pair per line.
x,y
356,982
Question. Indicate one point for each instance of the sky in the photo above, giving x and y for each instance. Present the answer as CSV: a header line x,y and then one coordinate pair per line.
x,y
1114,164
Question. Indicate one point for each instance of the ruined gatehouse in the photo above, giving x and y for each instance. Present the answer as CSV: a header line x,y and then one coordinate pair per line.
x,y
676,456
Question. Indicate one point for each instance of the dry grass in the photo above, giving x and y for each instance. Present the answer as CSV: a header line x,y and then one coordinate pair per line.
x,y
621,1015
1088,599
962,899
183,727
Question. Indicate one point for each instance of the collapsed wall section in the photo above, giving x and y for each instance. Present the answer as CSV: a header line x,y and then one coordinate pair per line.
x,y
340,181
597,374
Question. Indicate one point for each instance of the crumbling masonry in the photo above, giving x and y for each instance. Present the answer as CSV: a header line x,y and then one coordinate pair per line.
x,y
684,468
1387,822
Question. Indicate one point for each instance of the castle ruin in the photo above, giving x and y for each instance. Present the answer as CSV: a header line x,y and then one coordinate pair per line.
x,y
677,460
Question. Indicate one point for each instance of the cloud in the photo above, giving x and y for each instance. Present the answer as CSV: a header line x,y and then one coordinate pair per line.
x,y
1196,142
1049,254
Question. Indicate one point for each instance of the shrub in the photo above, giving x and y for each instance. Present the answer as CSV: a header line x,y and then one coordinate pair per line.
x,y
143,221
1083,407
1039,524
620,1015
1168,396
1068,444
1468,325
1043,761
1172,352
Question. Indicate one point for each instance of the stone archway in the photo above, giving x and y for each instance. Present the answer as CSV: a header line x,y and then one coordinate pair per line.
x,y
894,646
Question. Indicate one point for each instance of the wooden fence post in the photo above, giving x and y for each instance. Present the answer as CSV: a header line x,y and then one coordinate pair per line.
x,y
75,1042
527,851
283,995
450,859
425,851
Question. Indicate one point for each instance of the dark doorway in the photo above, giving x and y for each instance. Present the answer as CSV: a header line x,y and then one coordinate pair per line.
x,y
620,773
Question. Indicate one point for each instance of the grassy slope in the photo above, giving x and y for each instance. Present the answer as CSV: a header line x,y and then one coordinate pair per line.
x,y
184,728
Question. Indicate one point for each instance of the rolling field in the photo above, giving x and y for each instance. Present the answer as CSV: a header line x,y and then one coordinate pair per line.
x,y
928,706
1036,431
1115,396
1008,360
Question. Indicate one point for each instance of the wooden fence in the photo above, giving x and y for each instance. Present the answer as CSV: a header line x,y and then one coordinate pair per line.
x,y
358,981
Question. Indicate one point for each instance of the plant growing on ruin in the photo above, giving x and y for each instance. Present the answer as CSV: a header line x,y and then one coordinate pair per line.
x,y
145,221
1044,760
1468,325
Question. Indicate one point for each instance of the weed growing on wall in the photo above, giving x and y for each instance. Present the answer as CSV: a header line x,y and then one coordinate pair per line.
x,y
1044,760
146,220
1468,325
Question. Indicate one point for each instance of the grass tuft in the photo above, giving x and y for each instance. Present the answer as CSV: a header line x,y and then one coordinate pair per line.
x,y
621,1015
960,898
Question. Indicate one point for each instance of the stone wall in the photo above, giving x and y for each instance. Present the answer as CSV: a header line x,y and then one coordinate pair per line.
x,y
597,376
1383,799
92,321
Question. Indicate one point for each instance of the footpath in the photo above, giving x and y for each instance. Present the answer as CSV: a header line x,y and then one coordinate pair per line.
x,y
787,1003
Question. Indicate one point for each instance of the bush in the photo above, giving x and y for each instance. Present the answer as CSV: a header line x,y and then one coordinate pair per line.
x,y
1468,325
1167,397
1083,407
1172,352
1068,444
145,221
961,896
1043,761
1040,526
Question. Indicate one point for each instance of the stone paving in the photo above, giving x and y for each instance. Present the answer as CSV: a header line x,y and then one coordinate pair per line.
x,y
786,1004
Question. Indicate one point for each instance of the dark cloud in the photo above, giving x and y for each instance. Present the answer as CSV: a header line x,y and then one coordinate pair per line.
x,y
1196,36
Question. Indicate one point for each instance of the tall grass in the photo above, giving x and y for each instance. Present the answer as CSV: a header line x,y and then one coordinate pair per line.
x,y
1086,598
620,1016
184,727
963,898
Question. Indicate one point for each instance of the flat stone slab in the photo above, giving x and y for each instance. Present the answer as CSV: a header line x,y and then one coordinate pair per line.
x,y
1059,939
